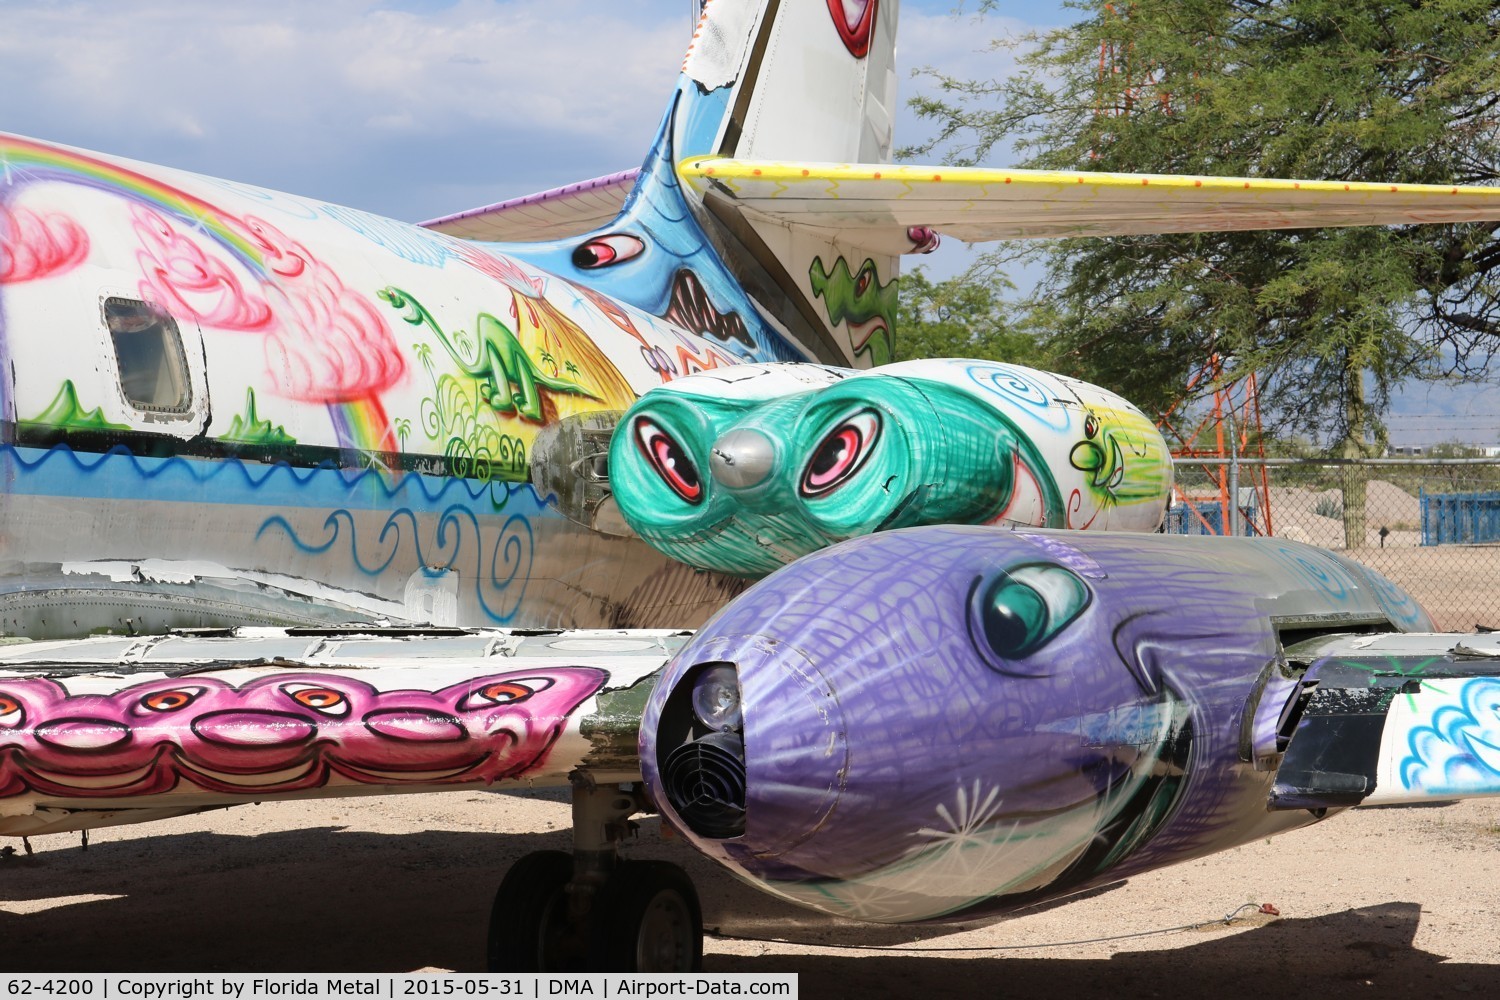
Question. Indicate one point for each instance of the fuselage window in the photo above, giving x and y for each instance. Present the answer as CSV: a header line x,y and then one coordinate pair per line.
x,y
148,348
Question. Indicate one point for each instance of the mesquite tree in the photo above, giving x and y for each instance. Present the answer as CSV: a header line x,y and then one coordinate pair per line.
x,y
1333,89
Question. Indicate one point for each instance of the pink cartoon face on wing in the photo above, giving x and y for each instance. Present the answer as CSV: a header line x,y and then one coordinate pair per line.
x,y
487,728
269,733
142,739
283,732
63,744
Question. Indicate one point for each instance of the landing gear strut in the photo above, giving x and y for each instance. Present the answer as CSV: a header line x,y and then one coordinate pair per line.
x,y
592,912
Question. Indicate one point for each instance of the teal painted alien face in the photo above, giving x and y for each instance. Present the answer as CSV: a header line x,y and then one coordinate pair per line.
x,y
841,458
744,486
680,467
744,473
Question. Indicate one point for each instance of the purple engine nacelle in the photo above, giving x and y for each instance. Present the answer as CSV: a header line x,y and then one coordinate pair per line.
x,y
948,722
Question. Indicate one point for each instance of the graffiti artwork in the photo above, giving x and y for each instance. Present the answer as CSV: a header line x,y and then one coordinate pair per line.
x,y
861,301
1447,734
855,22
340,714
948,722
744,475
35,246
288,732
509,381
218,293
343,449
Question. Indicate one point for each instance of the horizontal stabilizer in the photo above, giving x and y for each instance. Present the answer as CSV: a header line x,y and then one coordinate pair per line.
x,y
874,205
558,214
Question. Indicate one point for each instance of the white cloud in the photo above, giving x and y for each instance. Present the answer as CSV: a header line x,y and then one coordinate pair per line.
x,y
244,89
959,45
286,62
396,107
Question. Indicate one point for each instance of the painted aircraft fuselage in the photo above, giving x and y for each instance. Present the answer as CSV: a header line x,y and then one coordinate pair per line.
x,y
226,405
221,405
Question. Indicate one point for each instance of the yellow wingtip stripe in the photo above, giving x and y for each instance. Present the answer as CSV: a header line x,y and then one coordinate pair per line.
x,y
792,173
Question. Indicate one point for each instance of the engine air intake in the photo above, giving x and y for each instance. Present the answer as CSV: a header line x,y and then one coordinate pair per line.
x,y
705,782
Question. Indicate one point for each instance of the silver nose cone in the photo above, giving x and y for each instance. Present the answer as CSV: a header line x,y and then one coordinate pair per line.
x,y
742,458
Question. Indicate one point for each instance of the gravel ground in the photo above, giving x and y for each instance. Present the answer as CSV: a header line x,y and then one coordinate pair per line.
x,y
1374,903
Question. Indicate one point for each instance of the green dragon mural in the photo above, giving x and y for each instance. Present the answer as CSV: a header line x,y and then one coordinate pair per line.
x,y
510,382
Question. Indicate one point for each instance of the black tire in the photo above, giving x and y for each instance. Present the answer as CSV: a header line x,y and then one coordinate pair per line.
x,y
646,919
529,919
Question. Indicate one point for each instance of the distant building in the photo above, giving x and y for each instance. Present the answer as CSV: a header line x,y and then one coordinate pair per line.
x,y
1420,451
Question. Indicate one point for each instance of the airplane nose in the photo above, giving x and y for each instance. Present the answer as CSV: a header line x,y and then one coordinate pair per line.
x,y
742,459
760,784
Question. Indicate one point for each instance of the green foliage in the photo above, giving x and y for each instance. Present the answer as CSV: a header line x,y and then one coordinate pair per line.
x,y
1336,89
1329,506
67,413
1294,446
249,428
959,318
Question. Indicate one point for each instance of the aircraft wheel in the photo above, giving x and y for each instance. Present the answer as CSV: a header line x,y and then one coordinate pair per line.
x,y
647,919
529,926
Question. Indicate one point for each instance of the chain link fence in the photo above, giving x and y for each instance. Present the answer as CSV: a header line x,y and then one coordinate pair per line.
x,y
1431,526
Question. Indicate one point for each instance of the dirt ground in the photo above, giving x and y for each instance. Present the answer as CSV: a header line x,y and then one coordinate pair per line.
x,y
1374,903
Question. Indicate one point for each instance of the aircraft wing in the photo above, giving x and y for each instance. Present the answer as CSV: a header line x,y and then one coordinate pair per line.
x,y
874,205
1392,719
557,214
111,729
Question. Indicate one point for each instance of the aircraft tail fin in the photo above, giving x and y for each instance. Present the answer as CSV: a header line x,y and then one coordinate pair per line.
x,y
804,80
808,80
767,217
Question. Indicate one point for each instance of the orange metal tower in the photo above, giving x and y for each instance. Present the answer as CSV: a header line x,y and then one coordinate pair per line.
x,y
1228,432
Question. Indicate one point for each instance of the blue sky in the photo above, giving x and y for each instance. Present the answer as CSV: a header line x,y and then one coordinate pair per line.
x,y
408,108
